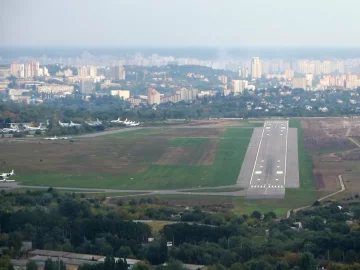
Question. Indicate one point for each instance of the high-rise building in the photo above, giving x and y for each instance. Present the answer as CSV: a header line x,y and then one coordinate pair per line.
x,y
17,70
299,83
188,93
87,86
243,73
34,68
27,71
289,73
256,70
153,96
87,71
223,79
238,86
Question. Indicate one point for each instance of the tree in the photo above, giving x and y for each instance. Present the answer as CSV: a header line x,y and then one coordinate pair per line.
x,y
4,262
307,261
57,265
256,214
49,265
156,252
31,265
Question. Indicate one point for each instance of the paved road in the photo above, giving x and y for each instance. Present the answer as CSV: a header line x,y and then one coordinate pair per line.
x,y
108,132
14,185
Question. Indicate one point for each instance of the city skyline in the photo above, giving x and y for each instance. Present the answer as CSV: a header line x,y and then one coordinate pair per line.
x,y
179,23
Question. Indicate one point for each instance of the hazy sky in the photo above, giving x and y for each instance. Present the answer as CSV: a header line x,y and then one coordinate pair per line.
x,y
180,22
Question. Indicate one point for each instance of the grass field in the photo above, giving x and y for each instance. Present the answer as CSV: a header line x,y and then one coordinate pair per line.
x,y
305,160
188,141
130,161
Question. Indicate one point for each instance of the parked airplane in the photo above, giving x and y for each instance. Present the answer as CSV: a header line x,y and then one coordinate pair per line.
x,y
71,124
132,124
51,138
64,124
94,123
5,177
129,123
58,138
8,130
40,127
117,121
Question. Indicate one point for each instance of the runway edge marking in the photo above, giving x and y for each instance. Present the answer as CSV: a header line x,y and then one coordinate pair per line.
x,y
286,149
257,154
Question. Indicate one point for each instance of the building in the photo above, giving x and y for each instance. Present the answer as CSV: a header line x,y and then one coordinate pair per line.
x,y
87,71
117,71
309,80
174,98
34,68
243,73
56,89
299,83
71,260
17,69
223,79
123,94
135,101
187,94
153,96
256,70
87,86
289,73
238,86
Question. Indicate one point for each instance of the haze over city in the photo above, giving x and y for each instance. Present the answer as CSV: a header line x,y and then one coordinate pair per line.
x,y
229,23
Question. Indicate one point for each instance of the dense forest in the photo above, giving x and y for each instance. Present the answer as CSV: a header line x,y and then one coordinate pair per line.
x,y
329,234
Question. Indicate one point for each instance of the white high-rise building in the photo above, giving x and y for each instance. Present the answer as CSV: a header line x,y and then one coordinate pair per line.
x,y
153,96
256,70
238,86
17,70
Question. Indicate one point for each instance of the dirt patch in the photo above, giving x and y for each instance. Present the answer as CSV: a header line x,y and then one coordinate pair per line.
x,y
328,143
208,157
171,156
352,183
351,155
330,158
319,181
203,154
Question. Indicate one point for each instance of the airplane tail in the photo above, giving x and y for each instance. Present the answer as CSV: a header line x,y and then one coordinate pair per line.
x,y
12,172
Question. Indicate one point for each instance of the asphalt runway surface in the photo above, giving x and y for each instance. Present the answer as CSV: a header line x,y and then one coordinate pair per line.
x,y
268,167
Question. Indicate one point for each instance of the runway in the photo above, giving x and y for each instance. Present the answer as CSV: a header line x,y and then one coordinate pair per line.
x,y
265,171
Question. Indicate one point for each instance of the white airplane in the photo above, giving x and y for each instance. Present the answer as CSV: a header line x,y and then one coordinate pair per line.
x,y
117,121
132,124
7,130
127,121
5,177
94,123
72,124
66,138
64,124
40,127
51,138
